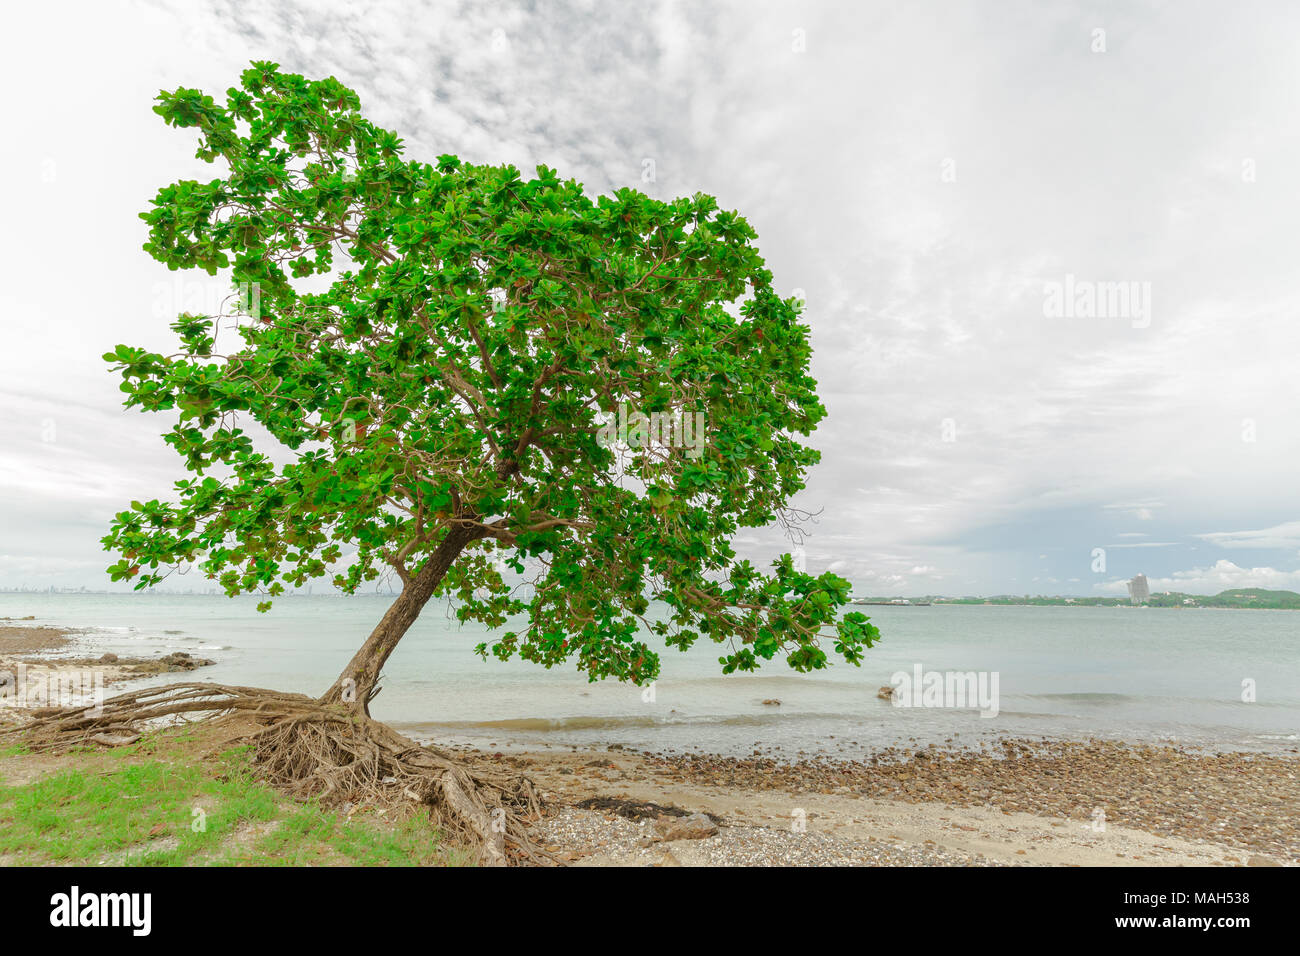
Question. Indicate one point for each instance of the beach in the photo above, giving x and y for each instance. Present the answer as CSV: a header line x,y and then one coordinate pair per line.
x,y
1032,803
1005,802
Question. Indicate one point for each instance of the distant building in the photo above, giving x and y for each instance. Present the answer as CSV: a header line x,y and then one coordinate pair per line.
x,y
1139,592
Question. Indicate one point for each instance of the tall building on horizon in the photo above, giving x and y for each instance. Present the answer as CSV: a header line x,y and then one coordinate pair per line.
x,y
1139,592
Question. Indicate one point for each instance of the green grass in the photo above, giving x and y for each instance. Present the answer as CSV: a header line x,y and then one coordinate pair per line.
x,y
143,811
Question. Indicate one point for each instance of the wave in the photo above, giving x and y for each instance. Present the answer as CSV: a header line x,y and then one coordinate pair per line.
x,y
849,721
627,722
540,723
1087,697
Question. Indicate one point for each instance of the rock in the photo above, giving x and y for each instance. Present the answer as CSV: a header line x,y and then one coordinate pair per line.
x,y
886,692
169,663
668,860
697,826
1262,861
771,702
108,659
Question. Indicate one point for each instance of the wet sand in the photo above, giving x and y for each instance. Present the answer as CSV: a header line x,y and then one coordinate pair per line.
x,y
40,653
18,642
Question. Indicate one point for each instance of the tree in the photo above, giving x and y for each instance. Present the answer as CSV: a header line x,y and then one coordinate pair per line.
x,y
433,358
442,397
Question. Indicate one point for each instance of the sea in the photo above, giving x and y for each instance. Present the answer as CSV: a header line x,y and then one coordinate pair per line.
x,y
1202,678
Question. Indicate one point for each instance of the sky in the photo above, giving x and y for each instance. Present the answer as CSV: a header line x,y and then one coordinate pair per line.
x,y
1049,252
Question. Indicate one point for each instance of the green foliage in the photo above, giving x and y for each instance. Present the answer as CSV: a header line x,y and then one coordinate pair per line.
x,y
1255,597
436,347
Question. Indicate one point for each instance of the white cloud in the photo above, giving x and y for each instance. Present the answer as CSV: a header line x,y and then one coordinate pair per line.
x,y
1140,510
1222,576
1283,536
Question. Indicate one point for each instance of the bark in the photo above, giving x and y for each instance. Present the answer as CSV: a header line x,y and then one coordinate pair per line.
x,y
357,685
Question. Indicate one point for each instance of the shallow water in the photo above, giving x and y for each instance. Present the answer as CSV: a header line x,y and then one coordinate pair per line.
x,y
1123,673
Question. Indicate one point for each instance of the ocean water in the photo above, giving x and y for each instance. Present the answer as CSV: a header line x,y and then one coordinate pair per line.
x,y
1138,674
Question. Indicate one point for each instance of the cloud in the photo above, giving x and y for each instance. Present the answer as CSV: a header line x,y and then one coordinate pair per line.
x,y
1282,536
1141,510
1223,575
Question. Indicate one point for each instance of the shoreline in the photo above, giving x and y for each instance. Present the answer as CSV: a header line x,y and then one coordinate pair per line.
x,y
34,654
1040,803
1016,802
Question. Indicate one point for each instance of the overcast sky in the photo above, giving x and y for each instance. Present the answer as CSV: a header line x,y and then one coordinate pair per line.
x,y
926,174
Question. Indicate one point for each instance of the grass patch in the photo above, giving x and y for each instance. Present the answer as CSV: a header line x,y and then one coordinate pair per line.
x,y
133,806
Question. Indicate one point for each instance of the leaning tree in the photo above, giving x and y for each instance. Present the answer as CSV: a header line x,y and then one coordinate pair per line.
x,y
420,382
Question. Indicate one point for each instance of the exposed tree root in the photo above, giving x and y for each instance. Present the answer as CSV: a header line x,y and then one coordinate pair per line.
x,y
310,749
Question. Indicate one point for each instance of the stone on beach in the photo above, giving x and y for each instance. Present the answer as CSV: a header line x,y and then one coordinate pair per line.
x,y
697,826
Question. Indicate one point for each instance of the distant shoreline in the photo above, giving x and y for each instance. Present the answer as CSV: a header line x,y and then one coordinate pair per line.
x,y
1120,604
1236,599
1257,599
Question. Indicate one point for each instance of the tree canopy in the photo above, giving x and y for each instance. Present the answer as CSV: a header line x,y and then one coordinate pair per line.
x,y
432,358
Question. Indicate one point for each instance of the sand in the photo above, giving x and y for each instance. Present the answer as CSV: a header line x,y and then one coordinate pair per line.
x,y
1193,810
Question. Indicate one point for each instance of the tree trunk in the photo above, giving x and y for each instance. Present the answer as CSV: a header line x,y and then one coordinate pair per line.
x,y
358,683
